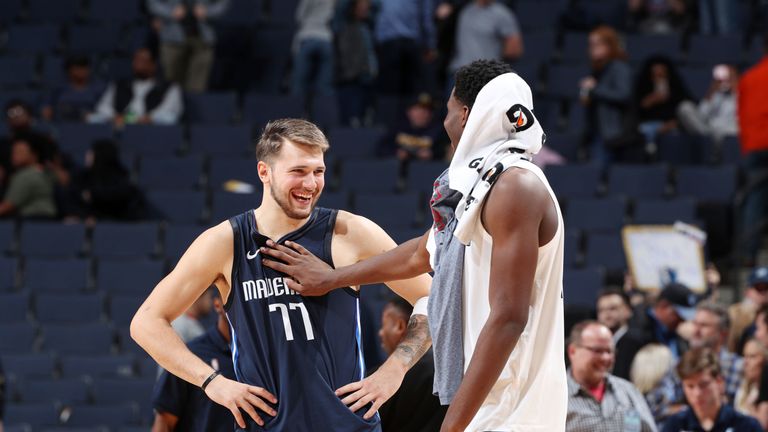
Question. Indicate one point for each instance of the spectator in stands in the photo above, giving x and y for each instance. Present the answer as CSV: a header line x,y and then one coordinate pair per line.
x,y
703,387
486,29
614,311
21,122
607,94
313,49
74,100
30,192
597,400
417,135
187,39
753,110
742,314
413,408
180,406
674,305
103,189
718,16
715,116
710,330
145,99
755,355
356,66
405,35
659,91
659,16
654,376
188,325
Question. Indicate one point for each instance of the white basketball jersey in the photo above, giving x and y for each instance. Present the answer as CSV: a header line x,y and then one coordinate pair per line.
x,y
531,392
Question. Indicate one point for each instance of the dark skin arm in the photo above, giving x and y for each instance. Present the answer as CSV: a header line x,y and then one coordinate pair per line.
x,y
164,422
315,277
513,216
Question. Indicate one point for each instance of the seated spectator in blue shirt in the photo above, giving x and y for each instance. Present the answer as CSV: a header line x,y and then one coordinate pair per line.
x,y
703,385
417,135
674,305
75,99
179,405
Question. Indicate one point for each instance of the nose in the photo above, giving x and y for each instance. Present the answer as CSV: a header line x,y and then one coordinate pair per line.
x,y
309,182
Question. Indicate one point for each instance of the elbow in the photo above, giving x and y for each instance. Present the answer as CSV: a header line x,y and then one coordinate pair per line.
x,y
508,322
138,328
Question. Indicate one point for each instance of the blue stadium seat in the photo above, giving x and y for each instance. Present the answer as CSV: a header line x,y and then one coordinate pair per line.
x,y
8,273
111,366
220,140
638,181
116,68
17,338
76,138
241,12
170,173
535,15
17,71
224,170
680,149
574,49
127,345
606,251
94,39
124,11
69,308
11,10
572,243
58,11
216,108
118,391
375,175
65,391
258,109
335,200
178,238
70,275
665,212
124,239
123,307
85,339
14,308
354,142
565,144
708,184
581,286
178,206
7,237
528,71
52,239
325,112
728,152
153,140
136,277
284,11
390,110
642,46
563,80
390,211
53,74
33,415
32,39
574,181
539,46
23,366
227,204
595,214
710,49
697,79
422,175
110,416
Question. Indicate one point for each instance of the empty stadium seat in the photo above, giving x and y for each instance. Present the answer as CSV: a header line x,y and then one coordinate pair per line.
x,y
178,238
354,142
216,108
638,181
258,109
710,49
11,10
423,174
111,366
111,416
17,71
178,206
58,11
13,307
30,365
224,170
120,276
68,275
153,140
220,140
574,48
31,414
17,338
122,308
93,39
563,80
76,138
390,211
697,79
642,46
7,237
595,214
566,144
124,239
572,248
378,175
539,46
69,308
335,200
574,181
107,11
708,184
665,212
32,39
85,339
170,173
324,112
52,239
227,204
606,251
120,390
8,272
65,391
581,287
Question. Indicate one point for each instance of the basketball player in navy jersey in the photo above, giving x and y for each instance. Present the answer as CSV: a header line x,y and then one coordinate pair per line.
x,y
298,360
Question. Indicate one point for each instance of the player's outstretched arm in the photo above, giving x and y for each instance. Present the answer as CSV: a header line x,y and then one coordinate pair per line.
x,y
204,263
314,277
512,215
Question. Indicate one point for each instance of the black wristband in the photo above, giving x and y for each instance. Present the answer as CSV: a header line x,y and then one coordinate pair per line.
x,y
209,379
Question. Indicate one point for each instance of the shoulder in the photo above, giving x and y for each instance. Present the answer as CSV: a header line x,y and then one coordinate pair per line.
x,y
350,224
359,237
517,190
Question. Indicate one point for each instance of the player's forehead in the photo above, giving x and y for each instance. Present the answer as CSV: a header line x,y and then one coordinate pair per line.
x,y
297,154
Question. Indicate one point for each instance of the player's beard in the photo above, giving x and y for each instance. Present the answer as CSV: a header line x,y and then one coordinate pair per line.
x,y
284,201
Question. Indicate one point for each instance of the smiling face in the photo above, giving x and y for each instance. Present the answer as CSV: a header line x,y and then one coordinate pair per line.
x,y
754,358
295,178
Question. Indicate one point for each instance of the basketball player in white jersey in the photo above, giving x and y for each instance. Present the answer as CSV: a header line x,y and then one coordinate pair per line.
x,y
514,374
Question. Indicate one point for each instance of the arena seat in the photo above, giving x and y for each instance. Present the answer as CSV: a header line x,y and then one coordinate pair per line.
x,y
66,275
134,276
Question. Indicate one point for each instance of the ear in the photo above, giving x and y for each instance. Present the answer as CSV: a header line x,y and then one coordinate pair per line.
x,y
571,350
263,170
218,305
464,116
402,326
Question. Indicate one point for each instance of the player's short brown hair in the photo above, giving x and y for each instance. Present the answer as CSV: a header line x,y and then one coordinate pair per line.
x,y
696,361
297,131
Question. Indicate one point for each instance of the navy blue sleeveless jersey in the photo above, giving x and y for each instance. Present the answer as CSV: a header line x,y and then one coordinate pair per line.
x,y
300,349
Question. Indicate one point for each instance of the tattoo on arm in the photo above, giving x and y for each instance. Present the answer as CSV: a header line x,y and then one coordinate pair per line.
x,y
416,342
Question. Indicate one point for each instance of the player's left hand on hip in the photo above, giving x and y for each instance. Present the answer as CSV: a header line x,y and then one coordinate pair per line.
x,y
375,389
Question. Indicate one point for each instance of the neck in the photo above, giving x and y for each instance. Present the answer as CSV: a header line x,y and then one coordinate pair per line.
x,y
223,328
707,414
585,381
272,221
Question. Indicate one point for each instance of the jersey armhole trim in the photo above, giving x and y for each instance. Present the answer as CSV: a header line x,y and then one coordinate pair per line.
x,y
235,262
328,243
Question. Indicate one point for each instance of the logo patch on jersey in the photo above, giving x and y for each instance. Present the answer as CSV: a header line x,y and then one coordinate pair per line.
x,y
520,117
250,256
